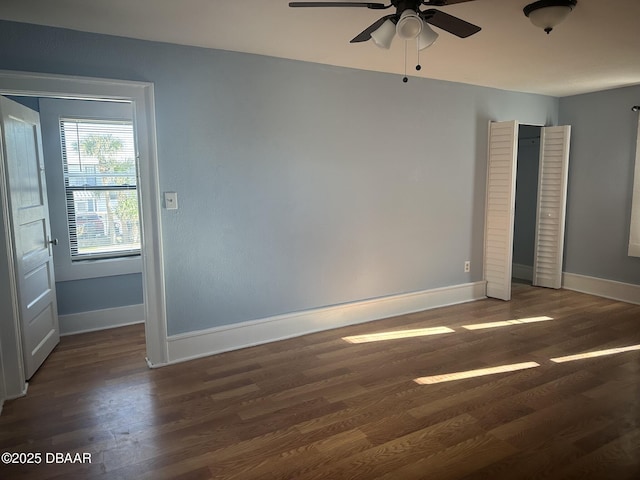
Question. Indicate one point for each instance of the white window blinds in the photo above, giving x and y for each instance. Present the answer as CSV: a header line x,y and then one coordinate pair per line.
x,y
101,188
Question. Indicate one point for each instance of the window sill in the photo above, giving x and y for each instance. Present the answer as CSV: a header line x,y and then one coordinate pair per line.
x,y
93,268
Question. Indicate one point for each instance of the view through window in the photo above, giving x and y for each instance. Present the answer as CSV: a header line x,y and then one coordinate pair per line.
x,y
101,188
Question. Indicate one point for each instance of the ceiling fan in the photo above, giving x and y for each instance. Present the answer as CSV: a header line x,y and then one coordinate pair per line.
x,y
408,19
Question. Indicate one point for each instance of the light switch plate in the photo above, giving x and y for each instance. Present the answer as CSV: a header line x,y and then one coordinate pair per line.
x,y
171,200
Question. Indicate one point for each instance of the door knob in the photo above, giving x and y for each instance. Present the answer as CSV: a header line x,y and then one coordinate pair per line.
x,y
53,241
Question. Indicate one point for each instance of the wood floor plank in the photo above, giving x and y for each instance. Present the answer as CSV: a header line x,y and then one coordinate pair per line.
x,y
318,407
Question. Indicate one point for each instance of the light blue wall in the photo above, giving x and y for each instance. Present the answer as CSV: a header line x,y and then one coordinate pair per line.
x,y
88,294
299,185
603,142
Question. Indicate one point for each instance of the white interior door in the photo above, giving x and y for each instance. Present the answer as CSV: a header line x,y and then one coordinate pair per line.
x,y
30,233
500,208
551,208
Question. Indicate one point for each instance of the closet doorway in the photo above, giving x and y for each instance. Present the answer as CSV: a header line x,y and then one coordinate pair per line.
x,y
524,228
549,208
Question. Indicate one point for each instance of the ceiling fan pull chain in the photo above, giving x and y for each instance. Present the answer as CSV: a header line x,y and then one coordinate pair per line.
x,y
418,66
405,79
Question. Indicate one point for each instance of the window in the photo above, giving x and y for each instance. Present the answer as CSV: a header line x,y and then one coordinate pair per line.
x,y
100,181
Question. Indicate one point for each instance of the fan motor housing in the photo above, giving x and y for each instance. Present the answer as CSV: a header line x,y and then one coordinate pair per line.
x,y
402,5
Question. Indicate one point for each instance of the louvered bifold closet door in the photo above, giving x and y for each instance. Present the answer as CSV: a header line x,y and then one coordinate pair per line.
x,y
552,200
500,208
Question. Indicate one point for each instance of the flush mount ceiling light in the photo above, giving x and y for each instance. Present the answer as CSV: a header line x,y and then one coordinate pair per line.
x,y
546,14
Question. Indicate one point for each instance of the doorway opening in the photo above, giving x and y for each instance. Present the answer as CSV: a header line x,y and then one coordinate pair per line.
x,y
550,207
139,95
524,225
91,174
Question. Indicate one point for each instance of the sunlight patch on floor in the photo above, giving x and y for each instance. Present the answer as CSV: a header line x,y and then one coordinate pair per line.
x,y
505,323
597,353
398,334
448,377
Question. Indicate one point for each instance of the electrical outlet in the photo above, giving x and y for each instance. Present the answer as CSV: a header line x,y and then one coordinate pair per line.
x,y
467,266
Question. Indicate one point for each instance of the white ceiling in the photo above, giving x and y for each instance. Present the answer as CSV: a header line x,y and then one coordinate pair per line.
x,y
596,48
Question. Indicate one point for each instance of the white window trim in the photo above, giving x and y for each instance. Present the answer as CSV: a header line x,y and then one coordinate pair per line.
x,y
634,232
66,268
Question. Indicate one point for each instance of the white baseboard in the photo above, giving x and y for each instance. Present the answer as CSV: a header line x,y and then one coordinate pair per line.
x,y
13,397
191,345
100,319
522,272
625,292
21,394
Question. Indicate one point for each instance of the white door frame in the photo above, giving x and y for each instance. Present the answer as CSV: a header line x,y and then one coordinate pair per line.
x,y
141,96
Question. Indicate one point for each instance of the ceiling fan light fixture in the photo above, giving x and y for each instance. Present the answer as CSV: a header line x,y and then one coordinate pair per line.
x,y
409,26
546,14
383,36
427,36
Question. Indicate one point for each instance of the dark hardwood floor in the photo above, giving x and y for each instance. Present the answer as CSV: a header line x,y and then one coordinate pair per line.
x,y
319,407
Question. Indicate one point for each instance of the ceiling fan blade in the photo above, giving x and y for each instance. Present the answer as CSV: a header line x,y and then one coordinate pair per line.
x,y
366,33
451,24
373,6
444,3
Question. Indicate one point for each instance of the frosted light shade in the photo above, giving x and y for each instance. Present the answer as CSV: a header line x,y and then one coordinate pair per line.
x,y
383,36
409,26
548,17
427,36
